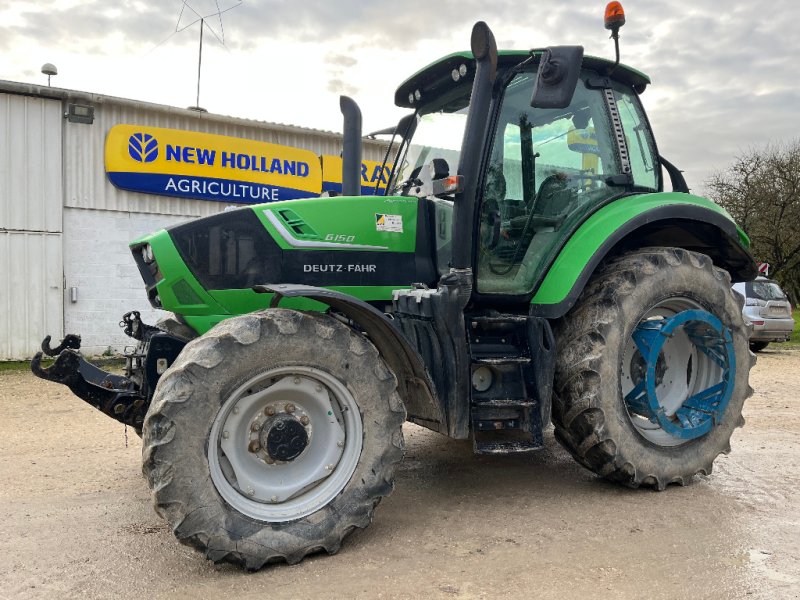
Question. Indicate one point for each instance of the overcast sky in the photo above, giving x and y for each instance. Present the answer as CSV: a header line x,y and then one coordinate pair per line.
x,y
726,74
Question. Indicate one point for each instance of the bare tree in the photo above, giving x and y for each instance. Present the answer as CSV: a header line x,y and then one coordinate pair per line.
x,y
761,190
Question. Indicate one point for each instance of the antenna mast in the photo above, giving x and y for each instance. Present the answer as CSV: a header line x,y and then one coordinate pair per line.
x,y
220,38
199,62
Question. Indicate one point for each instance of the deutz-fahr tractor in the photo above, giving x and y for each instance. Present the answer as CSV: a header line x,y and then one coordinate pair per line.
x,y
524,266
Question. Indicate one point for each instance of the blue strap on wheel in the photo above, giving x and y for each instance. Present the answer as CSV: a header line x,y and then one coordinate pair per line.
x,y
698,413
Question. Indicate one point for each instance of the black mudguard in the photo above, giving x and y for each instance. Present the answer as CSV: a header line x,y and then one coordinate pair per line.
x,y
414,383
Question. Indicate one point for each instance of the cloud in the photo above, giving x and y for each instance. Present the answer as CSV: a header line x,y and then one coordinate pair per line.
x,y
84,22
341,60
378,23
724,74
339,86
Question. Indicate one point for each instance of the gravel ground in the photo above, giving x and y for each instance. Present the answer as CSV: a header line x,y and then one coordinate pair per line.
x,y
77,519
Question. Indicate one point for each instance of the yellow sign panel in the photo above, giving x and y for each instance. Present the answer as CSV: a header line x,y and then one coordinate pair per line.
x,y
374,176
208,166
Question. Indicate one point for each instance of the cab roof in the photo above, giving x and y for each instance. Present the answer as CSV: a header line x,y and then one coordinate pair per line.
x,y
439,72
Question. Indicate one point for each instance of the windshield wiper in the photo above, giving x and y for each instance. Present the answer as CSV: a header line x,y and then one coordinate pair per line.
x,y
405,129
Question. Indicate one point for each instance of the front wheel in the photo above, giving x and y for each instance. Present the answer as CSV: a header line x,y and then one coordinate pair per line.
x,y
652,369
273,436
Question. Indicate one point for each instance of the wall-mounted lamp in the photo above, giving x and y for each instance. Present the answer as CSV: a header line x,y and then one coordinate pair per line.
x,y
78,113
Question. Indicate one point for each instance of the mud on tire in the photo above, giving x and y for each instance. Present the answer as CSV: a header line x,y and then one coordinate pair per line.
x,y
266,350
590,415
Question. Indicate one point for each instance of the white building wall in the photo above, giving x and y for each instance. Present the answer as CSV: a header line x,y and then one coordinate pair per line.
x,y
30,292
98,263
31,284
52,179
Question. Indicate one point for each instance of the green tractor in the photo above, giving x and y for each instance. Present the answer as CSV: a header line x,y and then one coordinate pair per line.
x,y
524,266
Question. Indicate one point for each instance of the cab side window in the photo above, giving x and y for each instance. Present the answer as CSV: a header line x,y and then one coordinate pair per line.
x,y
641,149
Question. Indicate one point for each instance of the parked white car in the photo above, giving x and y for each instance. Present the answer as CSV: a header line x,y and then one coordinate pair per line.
x,y
768,309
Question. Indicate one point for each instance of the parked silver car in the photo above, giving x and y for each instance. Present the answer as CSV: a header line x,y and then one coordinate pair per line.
x,y
769,311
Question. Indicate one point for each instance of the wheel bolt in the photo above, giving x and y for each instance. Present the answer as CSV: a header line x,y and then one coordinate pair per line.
x,y
296,381
269,411
269,460
304,420
319,388
254,446
251,491
274,499
225,435
340,443
255,427
289,408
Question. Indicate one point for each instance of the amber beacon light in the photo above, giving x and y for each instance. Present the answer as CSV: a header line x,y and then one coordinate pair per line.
x,y
614,17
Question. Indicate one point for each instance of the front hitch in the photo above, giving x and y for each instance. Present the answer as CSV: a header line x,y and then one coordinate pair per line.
x,y
123,398
114,395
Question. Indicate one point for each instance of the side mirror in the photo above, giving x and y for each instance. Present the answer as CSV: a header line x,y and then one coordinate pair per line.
x,y
439,169
559,69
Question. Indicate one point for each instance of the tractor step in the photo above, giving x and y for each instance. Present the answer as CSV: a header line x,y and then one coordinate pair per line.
x,y
478,320
511,375
506,446
505,360
504,403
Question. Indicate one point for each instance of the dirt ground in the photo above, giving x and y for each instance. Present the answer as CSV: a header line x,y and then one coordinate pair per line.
x,y
77,520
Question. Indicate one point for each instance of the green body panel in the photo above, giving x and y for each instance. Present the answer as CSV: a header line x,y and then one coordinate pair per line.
x,y
345,224
237,302
353,217
588,238
175,272
246,300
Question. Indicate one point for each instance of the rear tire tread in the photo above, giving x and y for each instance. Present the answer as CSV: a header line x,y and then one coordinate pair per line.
x,y
578,418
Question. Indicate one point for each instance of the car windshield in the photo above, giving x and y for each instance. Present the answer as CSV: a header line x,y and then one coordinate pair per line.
x,y
765,290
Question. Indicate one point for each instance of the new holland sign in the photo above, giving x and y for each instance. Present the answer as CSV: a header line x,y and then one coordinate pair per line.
x,y
207,166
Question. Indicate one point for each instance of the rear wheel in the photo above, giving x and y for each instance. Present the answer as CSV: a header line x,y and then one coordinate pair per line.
x,y
273,436
758,346
653,368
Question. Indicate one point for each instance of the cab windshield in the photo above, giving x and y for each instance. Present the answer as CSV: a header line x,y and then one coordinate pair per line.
x,y
439,133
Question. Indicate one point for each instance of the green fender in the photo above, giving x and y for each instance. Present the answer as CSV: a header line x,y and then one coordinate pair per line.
x,y
655,219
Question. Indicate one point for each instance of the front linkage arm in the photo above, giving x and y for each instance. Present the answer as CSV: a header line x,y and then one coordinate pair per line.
x,y
123,398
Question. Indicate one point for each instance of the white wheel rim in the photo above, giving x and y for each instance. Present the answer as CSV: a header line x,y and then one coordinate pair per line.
x,y
252,481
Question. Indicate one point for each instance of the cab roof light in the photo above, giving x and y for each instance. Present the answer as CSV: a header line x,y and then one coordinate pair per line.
x,y
614,17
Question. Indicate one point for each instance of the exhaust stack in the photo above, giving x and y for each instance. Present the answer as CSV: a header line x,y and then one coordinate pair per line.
x,y
351,147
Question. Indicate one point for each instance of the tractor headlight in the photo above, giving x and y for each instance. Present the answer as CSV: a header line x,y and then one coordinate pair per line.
x,y
147,254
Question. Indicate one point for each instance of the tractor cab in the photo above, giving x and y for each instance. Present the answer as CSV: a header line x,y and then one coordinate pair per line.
x,y
543,169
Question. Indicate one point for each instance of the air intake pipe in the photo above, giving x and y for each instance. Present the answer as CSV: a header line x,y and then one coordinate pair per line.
x,y
351,147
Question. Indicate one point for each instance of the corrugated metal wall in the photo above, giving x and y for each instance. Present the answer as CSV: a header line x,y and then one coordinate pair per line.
x,y
86,184
31,274
30,292
30,163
